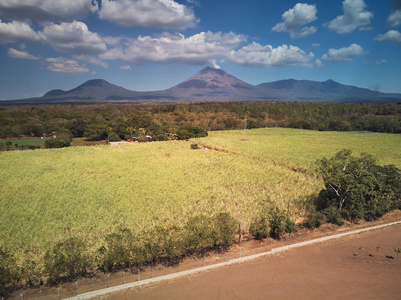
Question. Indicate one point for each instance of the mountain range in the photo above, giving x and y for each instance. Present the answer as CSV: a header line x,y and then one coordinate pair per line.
x,y
215,85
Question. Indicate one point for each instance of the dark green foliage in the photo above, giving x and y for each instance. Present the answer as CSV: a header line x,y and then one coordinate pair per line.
x,y
113,137
333,216
96,132
57,143
67,258
280,223
315,219
259,228
356,187
226,229
189,132
194,146
200,232
9,273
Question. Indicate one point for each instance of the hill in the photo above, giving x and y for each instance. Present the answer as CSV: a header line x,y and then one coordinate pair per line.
x,y
215,85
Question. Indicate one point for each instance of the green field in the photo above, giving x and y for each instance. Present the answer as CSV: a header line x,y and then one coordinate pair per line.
x,y
34,142
48,195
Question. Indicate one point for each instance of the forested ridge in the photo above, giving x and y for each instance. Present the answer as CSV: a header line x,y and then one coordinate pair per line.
x,y
97,122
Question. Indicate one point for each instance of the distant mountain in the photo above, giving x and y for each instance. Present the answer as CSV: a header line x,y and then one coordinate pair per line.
x,y
213,83
92,90
216,85
327,91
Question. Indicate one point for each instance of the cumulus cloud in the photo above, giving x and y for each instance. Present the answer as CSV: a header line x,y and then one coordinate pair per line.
x,y
394,19
259,56
199,49
296,17
344,54
21,54
47,10
148,13
91,60
354,16
16,31
392,36
73,38
65,65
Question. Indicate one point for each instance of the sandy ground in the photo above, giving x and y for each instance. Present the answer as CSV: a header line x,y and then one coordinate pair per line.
x,y
349,268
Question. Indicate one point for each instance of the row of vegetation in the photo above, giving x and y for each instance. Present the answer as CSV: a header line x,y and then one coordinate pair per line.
x,y
355,188
163,122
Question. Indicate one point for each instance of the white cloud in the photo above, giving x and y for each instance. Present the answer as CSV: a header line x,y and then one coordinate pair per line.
x,y
296,17
73,38
21,54
46,10
259,56
315,45
16,31
354,16
91,60
394,19
344,54
127,67
303,32
392,36
199,49
318,63
148,13
65,65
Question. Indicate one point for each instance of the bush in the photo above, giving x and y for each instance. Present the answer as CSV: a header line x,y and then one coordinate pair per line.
x,y
194,146
67,258
113,137
200,232
315,219
226,229
334,216
9,276
57,143
280,223
259,228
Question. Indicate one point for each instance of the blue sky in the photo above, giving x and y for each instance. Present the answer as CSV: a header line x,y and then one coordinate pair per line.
x,y
155,44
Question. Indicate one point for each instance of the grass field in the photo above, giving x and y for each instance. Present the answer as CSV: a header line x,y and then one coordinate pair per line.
x,y
48,195
34,142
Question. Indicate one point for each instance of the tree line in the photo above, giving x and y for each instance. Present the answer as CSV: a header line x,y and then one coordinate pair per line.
x,y
167,121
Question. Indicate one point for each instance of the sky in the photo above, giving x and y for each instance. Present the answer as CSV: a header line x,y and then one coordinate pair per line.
x,y
146,45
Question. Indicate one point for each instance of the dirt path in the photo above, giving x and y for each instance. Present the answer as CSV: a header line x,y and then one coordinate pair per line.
x,y
351,267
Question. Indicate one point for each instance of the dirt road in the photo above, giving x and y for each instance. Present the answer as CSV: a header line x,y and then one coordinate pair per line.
x,y
363,266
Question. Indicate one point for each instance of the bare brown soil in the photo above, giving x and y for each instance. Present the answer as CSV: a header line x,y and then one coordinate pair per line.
x,y
362,266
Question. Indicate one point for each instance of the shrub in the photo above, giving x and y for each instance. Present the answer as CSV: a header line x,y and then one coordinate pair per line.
x,y
67,258
113,137
194,146
9,276
200,232
226,229
334,216
280,223
315,219
259,228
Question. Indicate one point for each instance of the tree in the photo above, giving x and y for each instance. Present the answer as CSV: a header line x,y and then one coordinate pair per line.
x,y
358,186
